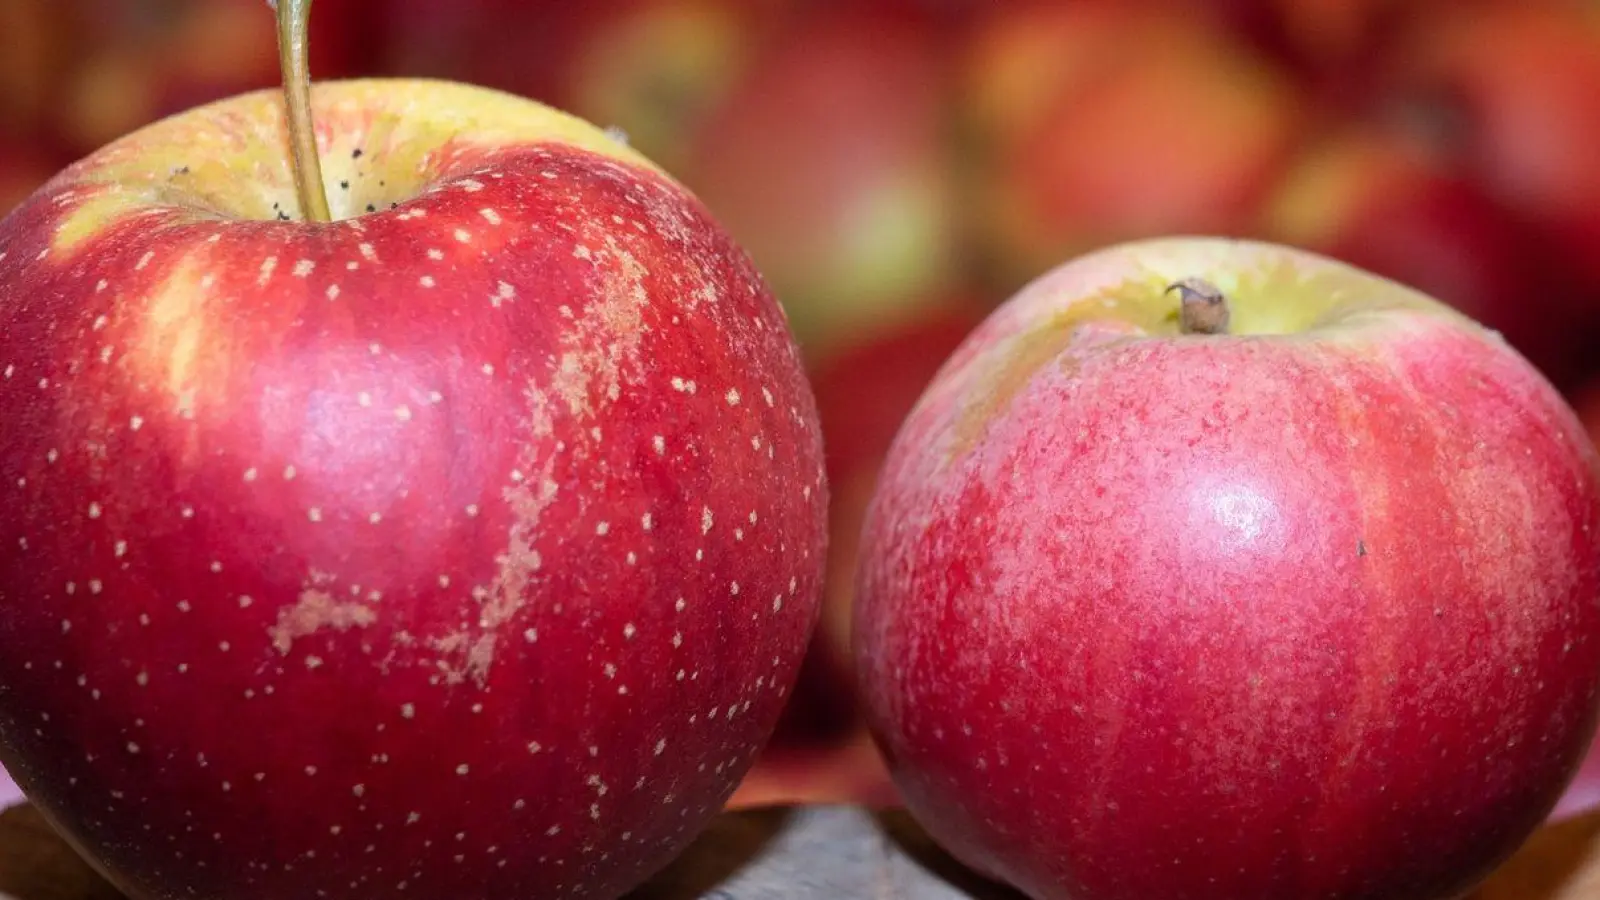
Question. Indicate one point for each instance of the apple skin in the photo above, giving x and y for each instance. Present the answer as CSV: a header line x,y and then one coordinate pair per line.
x,y
470,546
1311,615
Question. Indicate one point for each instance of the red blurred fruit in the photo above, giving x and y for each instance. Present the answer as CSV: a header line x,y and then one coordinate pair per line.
x,y
23,168
821,752
141,60
653,68
1509,91
830,163
33,53
467,545
1098,122
1374,200
1308,609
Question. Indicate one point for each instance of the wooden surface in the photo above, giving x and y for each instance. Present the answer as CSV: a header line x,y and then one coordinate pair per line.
x,y
814,853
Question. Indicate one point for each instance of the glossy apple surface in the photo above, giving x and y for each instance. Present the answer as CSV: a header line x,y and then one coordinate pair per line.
x,y
1308,608
466,545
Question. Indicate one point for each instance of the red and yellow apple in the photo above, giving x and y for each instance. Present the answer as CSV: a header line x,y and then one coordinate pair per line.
x,y
466,544
652,68
1507,90
1371,198
1096,123
829,162
1217,569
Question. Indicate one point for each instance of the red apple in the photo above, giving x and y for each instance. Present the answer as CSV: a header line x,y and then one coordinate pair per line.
x,y
467,544
1099,122
1293,594
1370,198
828,161
1508,91
821,752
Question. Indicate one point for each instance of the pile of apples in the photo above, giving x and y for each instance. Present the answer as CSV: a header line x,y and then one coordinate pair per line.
x,y
1145,439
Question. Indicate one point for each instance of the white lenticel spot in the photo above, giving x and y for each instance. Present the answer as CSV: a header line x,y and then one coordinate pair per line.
x,y
303,268
267,266
462,235
333,292
490,216
660,444
426,281
463,769
732,397
144,260
705,519
408,711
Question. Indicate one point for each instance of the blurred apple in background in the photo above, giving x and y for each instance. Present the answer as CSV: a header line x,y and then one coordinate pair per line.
x,y
1102,122
653,68
1372,199
33,50
830,162
23,167
1511,92
76,73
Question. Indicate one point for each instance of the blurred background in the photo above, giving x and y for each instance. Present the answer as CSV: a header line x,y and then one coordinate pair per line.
x,y
899,167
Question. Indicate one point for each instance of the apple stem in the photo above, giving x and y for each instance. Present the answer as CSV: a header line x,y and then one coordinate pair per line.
x,y
294,17
1204,308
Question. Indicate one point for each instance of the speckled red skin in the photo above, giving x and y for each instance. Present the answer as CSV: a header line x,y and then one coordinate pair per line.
x,y
1201,617
488,588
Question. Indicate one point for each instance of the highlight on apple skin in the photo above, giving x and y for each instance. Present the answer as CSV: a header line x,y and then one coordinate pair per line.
x,y
1307,607
466,544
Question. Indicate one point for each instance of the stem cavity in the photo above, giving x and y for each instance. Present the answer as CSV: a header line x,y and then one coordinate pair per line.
x,y
1203,309
294,17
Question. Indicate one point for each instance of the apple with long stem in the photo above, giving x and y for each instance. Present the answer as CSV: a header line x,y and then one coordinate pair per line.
x,y
1217,569
441,514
